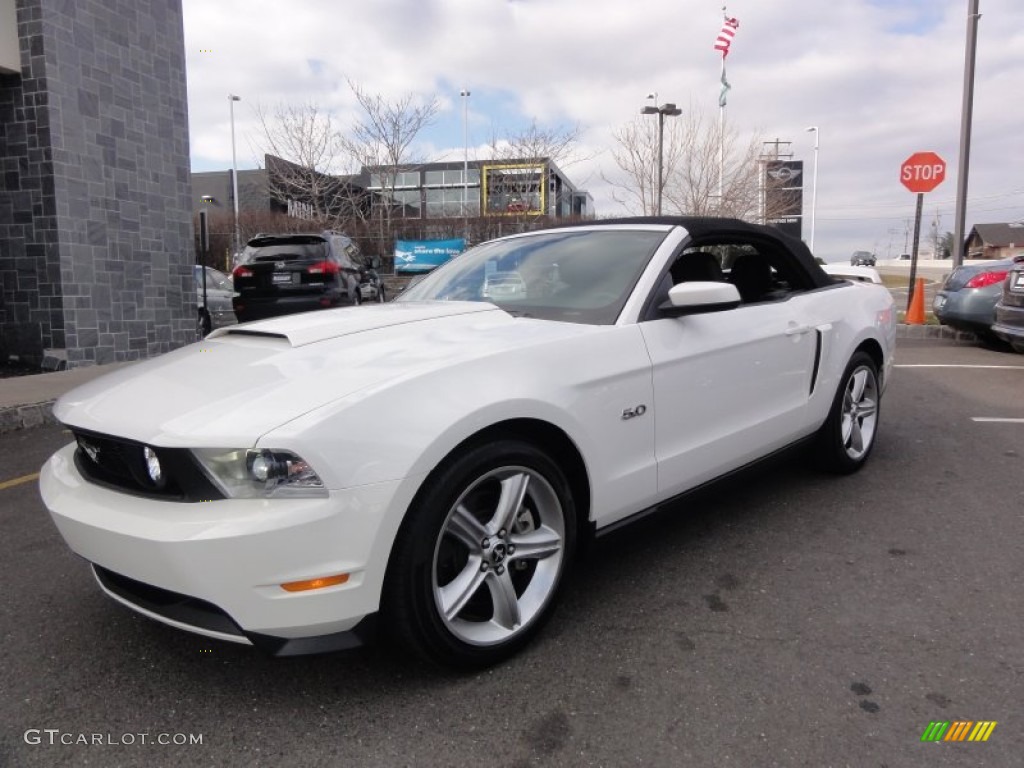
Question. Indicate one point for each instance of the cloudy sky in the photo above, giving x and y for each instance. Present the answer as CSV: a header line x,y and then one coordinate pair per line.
x,y
880,78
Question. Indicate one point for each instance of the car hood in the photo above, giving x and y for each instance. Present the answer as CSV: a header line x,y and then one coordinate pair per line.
x,y
245,380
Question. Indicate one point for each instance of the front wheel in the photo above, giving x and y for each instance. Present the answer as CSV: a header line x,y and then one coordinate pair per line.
x,y
203,324
477,565
845,440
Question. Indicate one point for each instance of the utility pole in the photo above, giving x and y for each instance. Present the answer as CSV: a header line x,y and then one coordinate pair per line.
x,y
963,165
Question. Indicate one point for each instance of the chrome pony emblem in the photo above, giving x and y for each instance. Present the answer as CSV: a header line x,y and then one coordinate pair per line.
x,y
92,451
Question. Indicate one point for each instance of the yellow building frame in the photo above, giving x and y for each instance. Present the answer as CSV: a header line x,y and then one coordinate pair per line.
x,y
540,169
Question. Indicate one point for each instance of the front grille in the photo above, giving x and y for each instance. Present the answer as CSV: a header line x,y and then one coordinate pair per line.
x,y
118,463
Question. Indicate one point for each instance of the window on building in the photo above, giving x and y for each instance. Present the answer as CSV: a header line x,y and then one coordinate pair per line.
x,y
386,180
451,178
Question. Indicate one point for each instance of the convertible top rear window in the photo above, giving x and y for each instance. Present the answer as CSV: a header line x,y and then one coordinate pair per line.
x,y
573,276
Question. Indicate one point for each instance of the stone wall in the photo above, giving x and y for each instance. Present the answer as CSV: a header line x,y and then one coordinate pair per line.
x,y
95,206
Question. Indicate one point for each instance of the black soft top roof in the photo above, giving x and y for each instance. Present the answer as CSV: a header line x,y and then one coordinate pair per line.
x,y
703,228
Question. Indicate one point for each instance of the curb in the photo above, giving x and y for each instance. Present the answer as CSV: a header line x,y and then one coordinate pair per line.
x,y
904,331
26,416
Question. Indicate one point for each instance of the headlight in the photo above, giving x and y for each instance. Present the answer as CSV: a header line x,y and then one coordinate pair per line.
x,y
259,473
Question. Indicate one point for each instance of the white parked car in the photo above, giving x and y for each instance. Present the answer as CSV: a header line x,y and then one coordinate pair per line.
x,y
503,285
432,463
218,310
855,274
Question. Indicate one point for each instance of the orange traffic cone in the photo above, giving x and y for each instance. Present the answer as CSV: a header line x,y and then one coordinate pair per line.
x,y
915,315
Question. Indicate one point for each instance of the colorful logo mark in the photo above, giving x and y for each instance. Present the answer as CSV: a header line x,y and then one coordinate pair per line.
x,y
959,730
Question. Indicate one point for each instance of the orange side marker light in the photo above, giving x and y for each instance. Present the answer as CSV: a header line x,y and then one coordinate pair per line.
x,y
320,583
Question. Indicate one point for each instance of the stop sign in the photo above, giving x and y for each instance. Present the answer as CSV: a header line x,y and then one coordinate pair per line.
x,y
922,171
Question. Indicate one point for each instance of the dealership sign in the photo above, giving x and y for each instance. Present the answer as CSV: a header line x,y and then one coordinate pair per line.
x,y
425,255
782,195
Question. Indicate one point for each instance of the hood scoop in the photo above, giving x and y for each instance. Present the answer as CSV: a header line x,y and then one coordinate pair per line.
x,y
311,327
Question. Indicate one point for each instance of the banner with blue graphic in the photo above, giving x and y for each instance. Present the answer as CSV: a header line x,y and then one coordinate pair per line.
x,y
424,255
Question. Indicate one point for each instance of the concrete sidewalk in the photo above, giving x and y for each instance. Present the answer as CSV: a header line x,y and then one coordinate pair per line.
x,y
27,401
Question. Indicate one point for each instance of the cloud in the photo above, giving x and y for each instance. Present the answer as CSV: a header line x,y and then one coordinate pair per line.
x,y
881,79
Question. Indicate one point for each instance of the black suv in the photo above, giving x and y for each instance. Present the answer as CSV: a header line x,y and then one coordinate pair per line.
x,y
287,273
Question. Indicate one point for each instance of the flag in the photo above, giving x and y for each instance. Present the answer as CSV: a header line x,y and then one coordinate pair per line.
x,y
725,89
722,42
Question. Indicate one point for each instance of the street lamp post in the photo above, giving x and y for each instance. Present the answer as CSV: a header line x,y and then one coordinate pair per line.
x,y
234,170
814,182
465,93
670,110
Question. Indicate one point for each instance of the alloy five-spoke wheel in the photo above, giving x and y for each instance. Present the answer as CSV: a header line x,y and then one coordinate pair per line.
x,y
860,412
478,562
846,438
499,555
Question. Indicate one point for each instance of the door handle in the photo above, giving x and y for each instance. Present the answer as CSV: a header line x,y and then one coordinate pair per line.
x,y
797,330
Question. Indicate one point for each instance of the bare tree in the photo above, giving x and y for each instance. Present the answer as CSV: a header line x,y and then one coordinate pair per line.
x,y
636,155
691,155
382,139
536,143
307,139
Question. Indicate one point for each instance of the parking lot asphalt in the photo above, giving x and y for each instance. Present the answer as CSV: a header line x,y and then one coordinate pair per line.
x,y
780,618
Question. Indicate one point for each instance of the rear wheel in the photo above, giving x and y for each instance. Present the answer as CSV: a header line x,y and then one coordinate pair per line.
x,y
477,566
845,440
203,324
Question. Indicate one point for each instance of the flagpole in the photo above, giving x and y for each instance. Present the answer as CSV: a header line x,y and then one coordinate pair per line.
x,y
721,146
722,42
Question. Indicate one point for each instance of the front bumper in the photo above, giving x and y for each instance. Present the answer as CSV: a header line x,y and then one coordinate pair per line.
x,y
228,558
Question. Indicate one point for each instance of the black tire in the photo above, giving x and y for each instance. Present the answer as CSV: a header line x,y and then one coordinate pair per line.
x,y
464,588
381,294
845,440
203,324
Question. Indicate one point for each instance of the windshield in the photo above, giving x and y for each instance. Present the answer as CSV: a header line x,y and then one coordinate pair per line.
x,y
575,276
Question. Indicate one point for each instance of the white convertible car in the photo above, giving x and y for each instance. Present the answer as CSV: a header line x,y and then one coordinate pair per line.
x,y
429,465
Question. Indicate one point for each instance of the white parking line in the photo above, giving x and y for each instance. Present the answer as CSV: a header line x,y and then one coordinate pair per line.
x,y
996,420
951,365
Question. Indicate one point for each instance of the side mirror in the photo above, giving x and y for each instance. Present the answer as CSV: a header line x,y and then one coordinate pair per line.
x,y
699,297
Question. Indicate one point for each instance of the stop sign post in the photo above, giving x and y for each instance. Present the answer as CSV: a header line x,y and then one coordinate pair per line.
x,y
921,172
